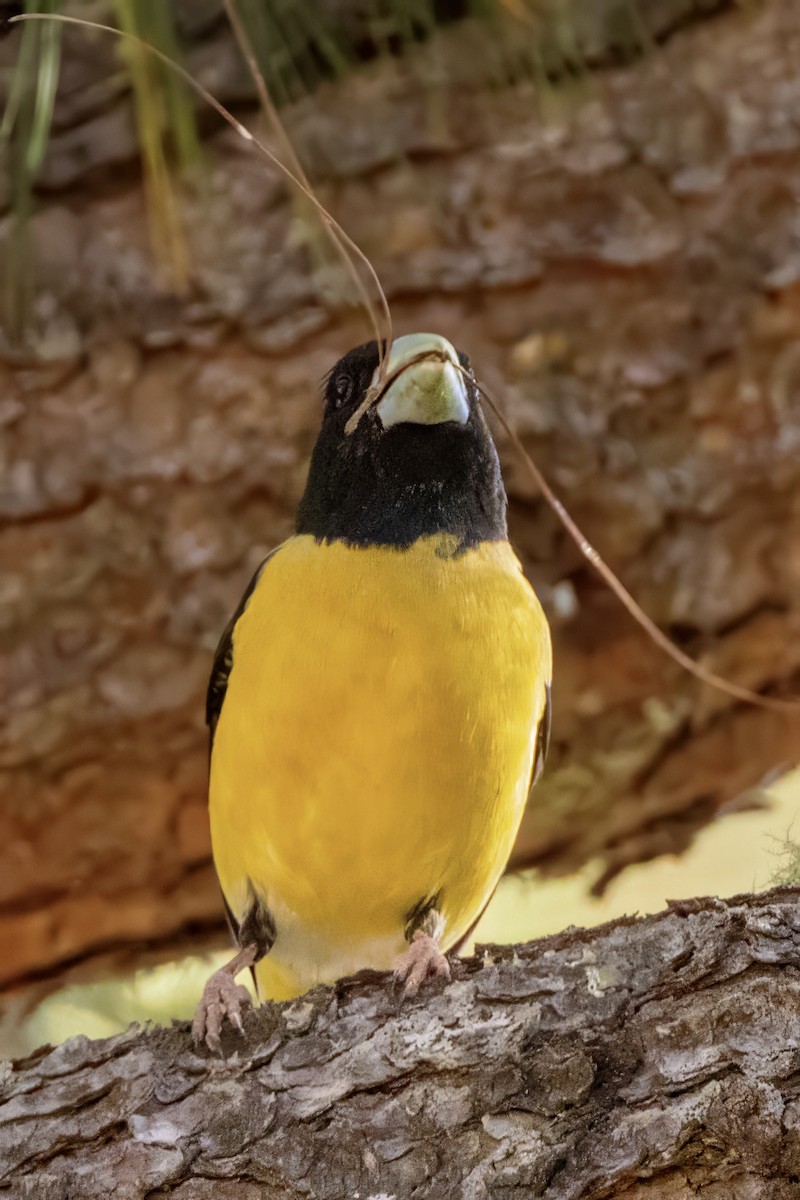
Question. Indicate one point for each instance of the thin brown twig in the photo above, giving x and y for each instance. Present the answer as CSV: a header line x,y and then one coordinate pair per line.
x,y
330,222
384,339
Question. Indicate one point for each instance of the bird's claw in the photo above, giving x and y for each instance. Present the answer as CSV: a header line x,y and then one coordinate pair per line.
x,y
422,959
222,999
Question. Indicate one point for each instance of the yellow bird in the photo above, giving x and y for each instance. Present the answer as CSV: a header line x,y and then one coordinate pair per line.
x,y
380,701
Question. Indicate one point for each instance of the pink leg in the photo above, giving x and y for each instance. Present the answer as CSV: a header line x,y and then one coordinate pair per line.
x,y
222,999
422,959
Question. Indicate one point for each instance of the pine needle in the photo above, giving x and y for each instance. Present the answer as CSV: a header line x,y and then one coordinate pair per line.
x,y
139,18
24,134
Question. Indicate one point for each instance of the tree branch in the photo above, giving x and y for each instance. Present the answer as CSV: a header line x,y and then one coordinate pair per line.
x,y
658,1056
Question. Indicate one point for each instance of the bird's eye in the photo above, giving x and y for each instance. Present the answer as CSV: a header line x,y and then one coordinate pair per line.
x,y
342,389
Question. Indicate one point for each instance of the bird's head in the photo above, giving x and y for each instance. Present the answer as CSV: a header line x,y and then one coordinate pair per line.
x,y
406,456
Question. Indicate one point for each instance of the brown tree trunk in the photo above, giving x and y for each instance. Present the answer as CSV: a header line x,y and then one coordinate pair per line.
x,y
655,1059
620,260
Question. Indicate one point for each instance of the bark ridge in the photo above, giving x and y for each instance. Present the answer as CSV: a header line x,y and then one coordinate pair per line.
x,y
657,1057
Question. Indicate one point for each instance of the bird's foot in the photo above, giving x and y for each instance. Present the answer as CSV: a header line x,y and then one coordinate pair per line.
x,y
422,959
222,1000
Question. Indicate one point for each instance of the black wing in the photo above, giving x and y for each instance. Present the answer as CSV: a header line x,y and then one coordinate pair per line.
x,y
223,659
542,738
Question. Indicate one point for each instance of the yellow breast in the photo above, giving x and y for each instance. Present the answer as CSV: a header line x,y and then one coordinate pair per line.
x,y
375,745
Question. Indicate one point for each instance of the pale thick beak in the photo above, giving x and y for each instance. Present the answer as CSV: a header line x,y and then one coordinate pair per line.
x,y
423,390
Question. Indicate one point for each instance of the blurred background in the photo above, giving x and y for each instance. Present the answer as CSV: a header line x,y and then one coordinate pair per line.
x,y
599,201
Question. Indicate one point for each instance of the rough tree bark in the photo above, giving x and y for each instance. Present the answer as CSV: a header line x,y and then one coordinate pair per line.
x,y
625,274
656,1059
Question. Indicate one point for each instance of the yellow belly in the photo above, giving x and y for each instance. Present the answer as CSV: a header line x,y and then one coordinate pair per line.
x,y
375,746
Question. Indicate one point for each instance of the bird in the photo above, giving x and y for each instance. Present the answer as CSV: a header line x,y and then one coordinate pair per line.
x,y
379,703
